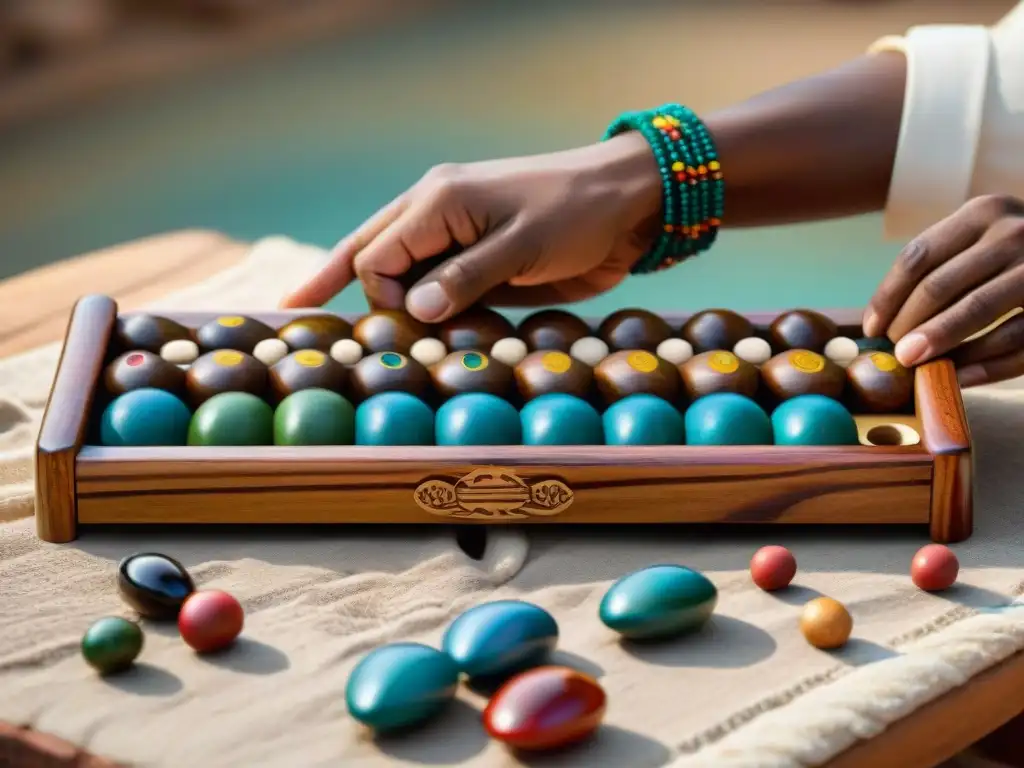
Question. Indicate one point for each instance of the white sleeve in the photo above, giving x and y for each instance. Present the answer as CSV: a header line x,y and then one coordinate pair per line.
x,y
962,132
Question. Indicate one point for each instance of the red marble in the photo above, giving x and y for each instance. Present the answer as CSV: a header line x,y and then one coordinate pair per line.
x,y
545,708
934,568
772,568
210,620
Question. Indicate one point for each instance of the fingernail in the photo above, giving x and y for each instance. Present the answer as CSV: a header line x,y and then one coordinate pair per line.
x,y
971,376
428,302
870,321
911,348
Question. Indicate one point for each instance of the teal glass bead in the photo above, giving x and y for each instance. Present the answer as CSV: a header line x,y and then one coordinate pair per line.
x,y
643,420
232,418
394,418
477,418
875,344
112,644
727,418
658,602
400,685
814,420
500,638
145,417
314,417
561,419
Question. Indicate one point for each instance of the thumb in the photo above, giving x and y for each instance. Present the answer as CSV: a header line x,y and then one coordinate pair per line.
x,y
462,280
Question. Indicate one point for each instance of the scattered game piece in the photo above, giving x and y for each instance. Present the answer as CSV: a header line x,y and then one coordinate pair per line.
x,y
934,568
148,332
558,419
634,372
552,330
658,602
754,350
112,644
477,418
476,328
145,417
718,371
467,371
394,418
428,352
180,351
542,373
233,332
400,685
879,383
138,370
772,568
676,351
643,420
270,351
634,329
210,620
802,372
726,418
715,329
499,638
826,623
225,370
545,708
346,351
388,331
590,350
841,350
802,329
510,351
232,418
307,369
318,332
314,417
155,585
388,372
814,420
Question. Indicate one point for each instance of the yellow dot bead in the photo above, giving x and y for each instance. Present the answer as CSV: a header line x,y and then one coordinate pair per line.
x,y
713,165
659,122
677,166
673,121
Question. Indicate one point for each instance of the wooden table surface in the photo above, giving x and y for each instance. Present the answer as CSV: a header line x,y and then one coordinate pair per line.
x,y
34,309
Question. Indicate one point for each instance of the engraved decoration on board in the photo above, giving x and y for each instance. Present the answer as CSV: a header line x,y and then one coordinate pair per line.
x,y
493,493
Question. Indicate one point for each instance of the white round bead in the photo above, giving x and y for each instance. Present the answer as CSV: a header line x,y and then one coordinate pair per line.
x,y
347,351
590,350
270,351
427,351
841,350
675,351
509,351
754,350
180,351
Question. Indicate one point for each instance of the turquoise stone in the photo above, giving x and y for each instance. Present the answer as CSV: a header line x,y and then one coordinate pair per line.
x,y
145,417
314,417
875,344
500,638
658,602
232,418
814,420
726,418
400,685
477,418
560,419
643,420
394,418
112,644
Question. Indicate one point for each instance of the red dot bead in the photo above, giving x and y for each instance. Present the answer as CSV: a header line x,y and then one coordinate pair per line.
x,y
210,620
772,568
134,360
934,568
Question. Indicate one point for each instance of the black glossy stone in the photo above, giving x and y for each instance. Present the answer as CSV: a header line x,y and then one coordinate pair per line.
x,y
154,585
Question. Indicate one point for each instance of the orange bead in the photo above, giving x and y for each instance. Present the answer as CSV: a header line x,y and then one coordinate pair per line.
x,y
675,135
826,623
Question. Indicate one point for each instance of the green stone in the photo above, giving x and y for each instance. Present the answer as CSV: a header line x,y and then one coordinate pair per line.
x,y
232,418
726,418
814,420
875,344
314,417
658,602
112,644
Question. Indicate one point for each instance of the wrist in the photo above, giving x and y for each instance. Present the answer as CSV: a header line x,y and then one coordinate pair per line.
x,y
625,170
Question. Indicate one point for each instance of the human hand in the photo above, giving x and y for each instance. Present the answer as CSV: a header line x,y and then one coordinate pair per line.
x,y
531,231
954,281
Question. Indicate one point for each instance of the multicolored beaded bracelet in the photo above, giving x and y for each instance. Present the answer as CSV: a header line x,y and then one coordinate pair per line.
x,y
693,190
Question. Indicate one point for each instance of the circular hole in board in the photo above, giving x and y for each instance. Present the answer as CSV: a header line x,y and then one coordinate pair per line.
x,y
472,540
892,434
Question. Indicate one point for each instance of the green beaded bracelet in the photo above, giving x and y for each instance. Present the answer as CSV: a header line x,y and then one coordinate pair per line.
x,y
693,191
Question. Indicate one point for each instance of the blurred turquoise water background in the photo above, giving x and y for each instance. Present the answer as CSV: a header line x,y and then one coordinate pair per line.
x,y
309,143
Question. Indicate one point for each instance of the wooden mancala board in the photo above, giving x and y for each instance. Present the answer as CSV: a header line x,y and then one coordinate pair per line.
x,y
925,482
